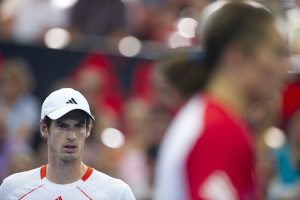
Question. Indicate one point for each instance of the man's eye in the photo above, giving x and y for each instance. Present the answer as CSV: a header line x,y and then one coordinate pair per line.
x,y
80,125
62,126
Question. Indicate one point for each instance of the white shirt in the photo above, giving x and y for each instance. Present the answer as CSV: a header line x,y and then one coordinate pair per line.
x,y
34,185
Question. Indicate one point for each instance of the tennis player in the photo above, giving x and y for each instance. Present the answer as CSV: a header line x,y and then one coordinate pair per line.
x,y
66,122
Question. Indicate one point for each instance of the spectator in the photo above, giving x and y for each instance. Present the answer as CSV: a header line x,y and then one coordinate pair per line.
x,y
19,108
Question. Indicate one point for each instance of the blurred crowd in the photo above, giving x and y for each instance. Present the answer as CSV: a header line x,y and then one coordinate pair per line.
x,y
142,116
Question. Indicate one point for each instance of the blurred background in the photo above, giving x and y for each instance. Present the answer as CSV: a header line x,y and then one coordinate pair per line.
x,y
107,49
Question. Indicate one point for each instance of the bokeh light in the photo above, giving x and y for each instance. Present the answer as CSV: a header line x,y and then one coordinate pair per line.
x,y
129,46
187,27
274,138
177,40
57,38
63,4
112,138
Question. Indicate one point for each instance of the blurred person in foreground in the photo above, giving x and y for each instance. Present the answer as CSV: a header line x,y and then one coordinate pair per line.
x,y
208,152
66,122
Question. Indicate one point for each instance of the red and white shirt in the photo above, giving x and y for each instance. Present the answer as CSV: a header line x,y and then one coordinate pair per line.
x,y
34,185
207,154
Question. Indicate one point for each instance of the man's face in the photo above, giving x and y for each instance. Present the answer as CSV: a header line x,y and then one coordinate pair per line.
x,y
267,66
66,136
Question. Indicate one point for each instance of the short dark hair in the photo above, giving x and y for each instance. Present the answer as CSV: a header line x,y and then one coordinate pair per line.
x,y
48,121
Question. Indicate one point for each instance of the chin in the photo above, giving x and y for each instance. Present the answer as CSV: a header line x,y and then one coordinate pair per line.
x,y
69,158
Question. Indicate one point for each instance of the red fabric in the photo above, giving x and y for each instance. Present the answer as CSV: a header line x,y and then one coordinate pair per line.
x,y
224,144
111,92
142,80
290,101
43,171
87,174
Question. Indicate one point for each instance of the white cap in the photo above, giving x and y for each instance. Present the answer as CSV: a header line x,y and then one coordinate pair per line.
x,y
62,101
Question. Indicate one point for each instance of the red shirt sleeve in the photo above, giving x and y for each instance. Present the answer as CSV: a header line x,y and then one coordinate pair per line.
x,y
221,163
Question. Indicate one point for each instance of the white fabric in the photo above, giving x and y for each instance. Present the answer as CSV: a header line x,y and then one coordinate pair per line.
x,y
62,101
218,186
97,187
182,134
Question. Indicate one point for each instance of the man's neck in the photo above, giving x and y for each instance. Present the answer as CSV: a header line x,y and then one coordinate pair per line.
x,y
228,93
62,172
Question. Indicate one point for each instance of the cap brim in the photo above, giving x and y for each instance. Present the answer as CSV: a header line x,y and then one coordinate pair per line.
x,y
61,112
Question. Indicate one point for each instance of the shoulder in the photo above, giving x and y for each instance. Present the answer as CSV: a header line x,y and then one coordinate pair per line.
x,y
112,187
18,180
189,118
223,129
222,119
100,179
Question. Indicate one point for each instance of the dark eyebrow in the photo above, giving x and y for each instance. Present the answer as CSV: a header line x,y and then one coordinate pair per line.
x,y
59,122
81,122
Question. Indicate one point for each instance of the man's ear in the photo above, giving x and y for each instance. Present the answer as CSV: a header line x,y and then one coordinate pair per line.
x,y
89,129
44,129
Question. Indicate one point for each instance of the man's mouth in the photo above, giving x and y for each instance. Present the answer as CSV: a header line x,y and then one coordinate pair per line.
x,y
70,147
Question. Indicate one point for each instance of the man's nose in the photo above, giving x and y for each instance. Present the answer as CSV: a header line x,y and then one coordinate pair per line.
x,y
71,135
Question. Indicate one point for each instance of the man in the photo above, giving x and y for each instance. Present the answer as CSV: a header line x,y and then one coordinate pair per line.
x,y
208,152
66,122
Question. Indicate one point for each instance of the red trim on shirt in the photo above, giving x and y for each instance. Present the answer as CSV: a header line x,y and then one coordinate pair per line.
x,y
87,174
84,193
43,171
30,192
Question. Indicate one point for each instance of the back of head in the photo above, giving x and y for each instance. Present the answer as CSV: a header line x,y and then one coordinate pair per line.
x,y
189,70
240,23
243,48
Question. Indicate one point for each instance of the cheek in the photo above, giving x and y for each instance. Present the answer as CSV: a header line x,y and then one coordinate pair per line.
x,y
55,139
82,135
270,72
